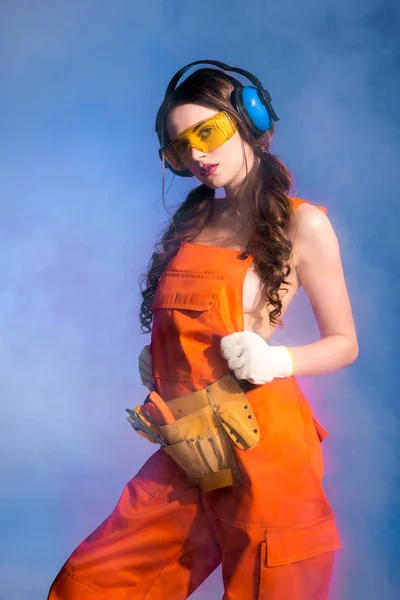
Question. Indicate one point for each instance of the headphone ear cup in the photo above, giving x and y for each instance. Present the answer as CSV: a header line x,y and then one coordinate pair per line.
x,y
184,173
237,103
247,102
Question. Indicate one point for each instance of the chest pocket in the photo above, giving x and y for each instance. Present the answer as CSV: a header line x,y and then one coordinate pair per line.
x,y
187,291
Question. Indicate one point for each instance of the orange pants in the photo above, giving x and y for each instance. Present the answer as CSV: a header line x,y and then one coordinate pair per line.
x,y
275,534
162,541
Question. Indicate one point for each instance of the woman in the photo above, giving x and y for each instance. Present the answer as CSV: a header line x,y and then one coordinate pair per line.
x,y
226,269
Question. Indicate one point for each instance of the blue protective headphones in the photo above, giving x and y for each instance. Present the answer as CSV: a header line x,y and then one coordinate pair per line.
x,y
253,104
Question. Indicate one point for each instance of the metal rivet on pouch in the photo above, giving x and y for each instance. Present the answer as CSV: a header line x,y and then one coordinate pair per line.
x,y
245,406
249,417
255,431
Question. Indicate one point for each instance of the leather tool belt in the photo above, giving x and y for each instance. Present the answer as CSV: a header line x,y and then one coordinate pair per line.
x,y
206,423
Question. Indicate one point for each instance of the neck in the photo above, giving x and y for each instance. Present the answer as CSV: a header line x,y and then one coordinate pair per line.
x,y
239,192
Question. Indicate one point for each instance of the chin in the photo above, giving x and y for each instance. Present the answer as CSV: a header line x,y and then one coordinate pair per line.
x,y
212,184
217,182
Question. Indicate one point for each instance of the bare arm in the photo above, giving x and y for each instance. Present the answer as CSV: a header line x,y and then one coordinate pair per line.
x,y
321,274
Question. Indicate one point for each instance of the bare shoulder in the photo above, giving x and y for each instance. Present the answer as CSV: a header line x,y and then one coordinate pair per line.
x,y
309,215
312,232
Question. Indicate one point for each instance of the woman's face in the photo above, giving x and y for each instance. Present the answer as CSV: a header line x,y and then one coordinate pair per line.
x,y
230,157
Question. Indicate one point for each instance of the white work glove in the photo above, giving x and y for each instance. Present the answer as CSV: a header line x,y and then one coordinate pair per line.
x,y
250,357
146,368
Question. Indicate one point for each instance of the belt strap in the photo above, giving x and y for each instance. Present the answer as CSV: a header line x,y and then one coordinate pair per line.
x,y
239,423
223,390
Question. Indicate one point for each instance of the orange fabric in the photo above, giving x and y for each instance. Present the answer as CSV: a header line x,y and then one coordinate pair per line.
x,y
297,201
275,534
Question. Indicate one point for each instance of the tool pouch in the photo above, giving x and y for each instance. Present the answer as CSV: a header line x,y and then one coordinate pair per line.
x,y
199,445
207,421
240,423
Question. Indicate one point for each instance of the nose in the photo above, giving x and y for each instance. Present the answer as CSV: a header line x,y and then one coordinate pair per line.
x,y
196,154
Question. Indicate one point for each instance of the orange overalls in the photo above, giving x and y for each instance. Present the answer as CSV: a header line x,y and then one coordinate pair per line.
x,y
275,534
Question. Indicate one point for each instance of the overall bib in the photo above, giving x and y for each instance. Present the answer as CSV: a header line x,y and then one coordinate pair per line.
x,y
275,533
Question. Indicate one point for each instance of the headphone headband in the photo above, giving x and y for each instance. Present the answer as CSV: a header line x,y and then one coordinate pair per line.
x,y
264,93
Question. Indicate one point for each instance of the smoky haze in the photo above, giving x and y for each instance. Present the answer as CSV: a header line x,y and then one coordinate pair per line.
x,y
80,182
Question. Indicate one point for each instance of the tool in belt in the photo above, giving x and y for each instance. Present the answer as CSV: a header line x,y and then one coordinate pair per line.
x,y
197,430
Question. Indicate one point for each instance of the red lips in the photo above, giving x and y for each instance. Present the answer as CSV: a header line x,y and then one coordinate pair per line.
x,y
208,169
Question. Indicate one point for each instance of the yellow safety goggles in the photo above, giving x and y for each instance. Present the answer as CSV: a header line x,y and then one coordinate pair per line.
x,y
205,136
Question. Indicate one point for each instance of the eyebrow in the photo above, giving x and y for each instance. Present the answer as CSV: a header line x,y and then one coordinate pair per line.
x,y
196,127
193,128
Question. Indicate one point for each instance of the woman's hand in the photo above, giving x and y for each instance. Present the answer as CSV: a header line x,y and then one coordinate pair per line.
x,y
146,368
250,357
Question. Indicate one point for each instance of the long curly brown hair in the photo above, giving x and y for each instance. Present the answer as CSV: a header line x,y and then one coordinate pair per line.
x,y
270,243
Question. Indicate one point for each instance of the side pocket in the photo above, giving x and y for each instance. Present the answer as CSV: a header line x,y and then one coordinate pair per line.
x,y
321,431
316,454
286,546
314,434
314,572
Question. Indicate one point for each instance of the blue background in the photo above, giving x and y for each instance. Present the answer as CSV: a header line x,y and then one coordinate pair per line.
x,y
80,210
